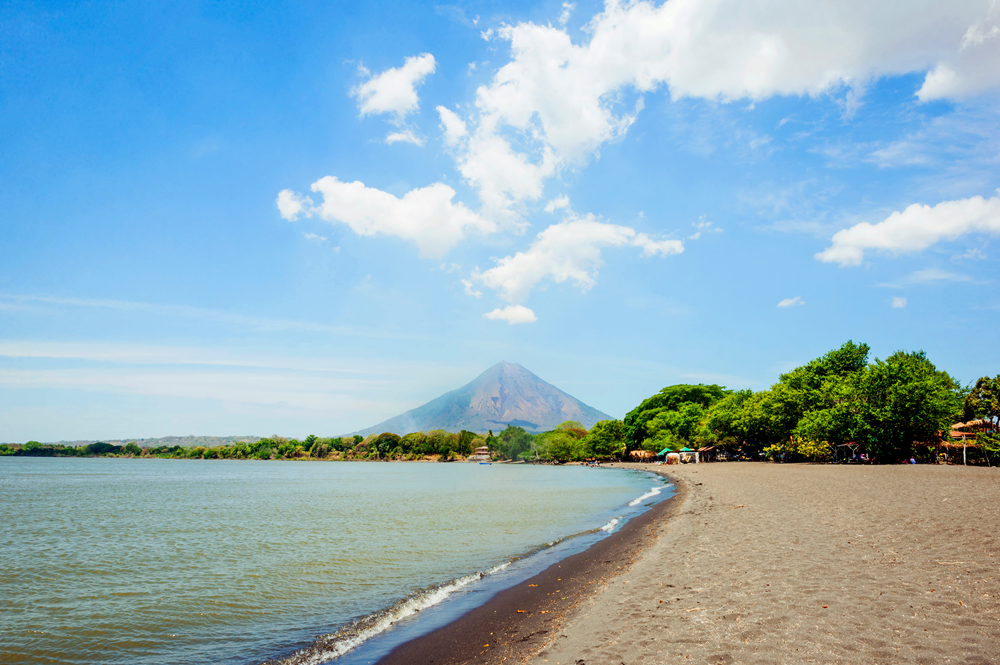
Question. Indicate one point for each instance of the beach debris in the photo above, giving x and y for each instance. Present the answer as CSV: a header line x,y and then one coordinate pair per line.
x,y
543,612
520,611
742,505
826,607
694,609
532,585
951,563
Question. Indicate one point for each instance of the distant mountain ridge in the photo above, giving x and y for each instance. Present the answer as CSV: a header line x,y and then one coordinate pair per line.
x,y
504,394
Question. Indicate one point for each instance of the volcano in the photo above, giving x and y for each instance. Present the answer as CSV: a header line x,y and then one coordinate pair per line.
x,y
505,394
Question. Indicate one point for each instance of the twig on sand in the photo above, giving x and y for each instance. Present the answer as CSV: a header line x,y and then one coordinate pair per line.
x,y
742,505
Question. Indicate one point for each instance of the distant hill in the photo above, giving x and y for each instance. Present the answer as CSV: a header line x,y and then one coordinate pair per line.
x,y
504,394
186,441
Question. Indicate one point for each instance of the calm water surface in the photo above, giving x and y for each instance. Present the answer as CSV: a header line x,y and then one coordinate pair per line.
x,y
177,561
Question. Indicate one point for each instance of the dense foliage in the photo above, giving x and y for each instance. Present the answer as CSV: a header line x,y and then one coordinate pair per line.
x,y
672,418
893,408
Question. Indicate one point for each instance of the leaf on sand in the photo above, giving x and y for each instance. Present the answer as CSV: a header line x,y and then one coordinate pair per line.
x,y
826,606
520,611
742,505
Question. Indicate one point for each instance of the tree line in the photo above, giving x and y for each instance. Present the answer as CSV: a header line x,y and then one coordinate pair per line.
x,y
892,409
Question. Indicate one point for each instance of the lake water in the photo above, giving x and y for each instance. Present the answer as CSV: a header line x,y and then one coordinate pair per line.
x,y
177,561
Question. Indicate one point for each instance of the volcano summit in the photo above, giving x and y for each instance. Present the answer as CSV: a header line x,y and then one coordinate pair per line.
x,y
505,394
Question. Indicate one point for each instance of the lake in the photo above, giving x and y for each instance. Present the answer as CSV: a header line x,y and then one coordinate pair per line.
x,y
189,561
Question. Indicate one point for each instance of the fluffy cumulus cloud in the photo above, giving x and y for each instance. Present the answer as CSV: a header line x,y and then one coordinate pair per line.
x,y
914,229
292,205
395,90
426,216
512,314
559,101
567,251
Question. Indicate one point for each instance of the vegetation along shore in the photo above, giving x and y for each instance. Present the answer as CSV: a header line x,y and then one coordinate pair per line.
x,y
841,406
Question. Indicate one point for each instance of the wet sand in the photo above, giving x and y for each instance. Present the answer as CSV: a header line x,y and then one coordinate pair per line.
x,y
764,563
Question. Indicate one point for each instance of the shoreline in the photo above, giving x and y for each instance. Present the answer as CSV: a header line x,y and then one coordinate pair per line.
x,y
520,620
375,637
755,562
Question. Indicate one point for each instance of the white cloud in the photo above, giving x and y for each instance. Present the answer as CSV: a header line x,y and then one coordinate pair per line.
x,y
898,303
559,101
425,216
567,11
703,226
569,250
453,126
394,90
313,236
470,289
971,253
405,136
916,228
292,204
558,203
512,314
792,302
929,275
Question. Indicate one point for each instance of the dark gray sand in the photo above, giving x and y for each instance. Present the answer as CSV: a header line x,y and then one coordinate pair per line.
x,y
771,563
764,563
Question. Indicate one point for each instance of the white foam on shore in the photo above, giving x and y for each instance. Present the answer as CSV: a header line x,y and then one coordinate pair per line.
x,y
652,492
609,527
337,644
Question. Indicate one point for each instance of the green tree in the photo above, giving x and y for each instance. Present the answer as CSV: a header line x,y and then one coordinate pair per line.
x,y
560,445
384,444
132,449
983,402
605,439
904,400
513,441
637,421
464,445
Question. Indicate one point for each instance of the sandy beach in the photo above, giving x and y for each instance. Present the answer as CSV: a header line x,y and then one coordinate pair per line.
x,y
765,563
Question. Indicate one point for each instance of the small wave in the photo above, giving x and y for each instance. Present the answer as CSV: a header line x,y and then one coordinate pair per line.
x,y
609,527
652,492
328,647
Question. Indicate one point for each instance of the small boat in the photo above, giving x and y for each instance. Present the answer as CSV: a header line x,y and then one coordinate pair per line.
x,y
486,463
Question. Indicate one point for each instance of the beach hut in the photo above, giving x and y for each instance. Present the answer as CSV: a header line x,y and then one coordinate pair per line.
x,y
672,457
708,454
688,455
641,455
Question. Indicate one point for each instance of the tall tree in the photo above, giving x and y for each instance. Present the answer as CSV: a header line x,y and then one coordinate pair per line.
x,y
904,400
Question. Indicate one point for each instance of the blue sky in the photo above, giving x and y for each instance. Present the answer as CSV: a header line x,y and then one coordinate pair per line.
x,y
256,218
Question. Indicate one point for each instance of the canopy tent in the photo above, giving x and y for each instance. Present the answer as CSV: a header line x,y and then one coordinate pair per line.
x,y
664,452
